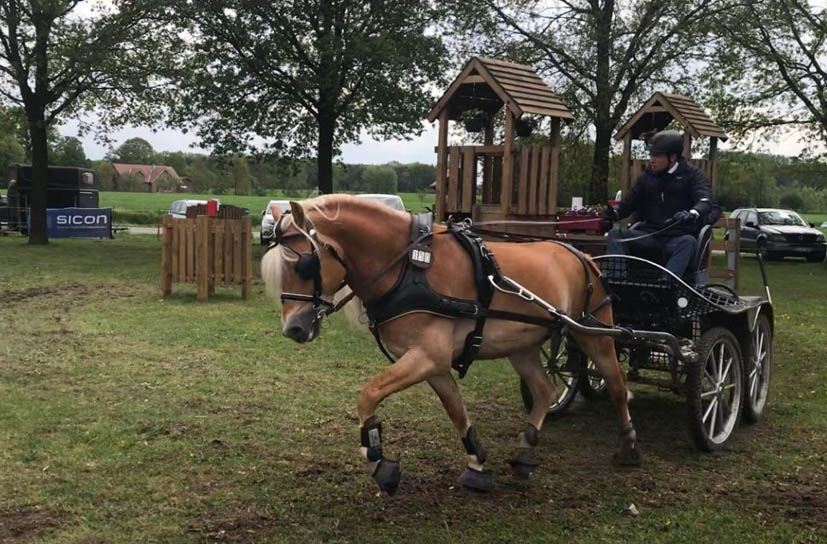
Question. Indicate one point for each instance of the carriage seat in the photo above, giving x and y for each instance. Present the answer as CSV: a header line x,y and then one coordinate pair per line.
x,y
695,273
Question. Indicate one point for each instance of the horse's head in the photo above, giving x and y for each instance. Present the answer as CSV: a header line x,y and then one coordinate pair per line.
x,y
305,269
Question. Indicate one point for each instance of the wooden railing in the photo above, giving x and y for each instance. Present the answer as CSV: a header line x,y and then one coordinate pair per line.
x,y
531,184
206,251
731,247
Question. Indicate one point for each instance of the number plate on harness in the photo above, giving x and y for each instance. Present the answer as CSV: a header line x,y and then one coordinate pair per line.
x,y
421,256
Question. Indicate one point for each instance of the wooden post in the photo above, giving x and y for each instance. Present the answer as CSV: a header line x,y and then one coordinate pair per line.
x,y
166,257
626,163
508,163
687,146
554,165
713,152
488,164
246,256
469,180
441,166
202,257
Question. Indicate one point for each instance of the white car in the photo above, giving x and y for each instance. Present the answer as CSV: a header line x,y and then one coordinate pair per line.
x,y
390,200
268,221
178,208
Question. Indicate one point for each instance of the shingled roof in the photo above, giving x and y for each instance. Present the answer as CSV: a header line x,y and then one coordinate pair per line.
x,y
488,84
662,108
150,173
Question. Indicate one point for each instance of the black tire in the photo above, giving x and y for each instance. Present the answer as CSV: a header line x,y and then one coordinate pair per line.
x,y
565,370
761,248
592,385
815,258
717,375
757,370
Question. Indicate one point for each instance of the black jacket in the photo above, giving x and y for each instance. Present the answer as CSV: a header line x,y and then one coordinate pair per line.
x,y
656,197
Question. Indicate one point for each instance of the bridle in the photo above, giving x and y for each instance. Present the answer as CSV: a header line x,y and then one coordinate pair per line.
x,y
309,267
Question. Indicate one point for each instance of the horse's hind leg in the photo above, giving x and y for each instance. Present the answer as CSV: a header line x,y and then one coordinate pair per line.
x,y
601,350
475,476
529,367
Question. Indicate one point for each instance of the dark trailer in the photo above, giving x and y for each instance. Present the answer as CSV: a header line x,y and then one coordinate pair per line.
x,y
67,187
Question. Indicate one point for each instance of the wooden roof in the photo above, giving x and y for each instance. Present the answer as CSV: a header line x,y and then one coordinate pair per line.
x,y
488,84
662,108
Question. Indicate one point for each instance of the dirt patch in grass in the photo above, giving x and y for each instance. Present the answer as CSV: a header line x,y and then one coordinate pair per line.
x,y
27,523
233,524
69,292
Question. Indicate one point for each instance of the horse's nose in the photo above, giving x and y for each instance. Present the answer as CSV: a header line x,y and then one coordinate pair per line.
x,y
295,333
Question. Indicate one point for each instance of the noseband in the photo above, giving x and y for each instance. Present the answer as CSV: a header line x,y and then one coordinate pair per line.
x,y
309,267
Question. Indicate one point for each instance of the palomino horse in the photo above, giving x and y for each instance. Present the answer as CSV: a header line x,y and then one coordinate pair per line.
x,y
330,241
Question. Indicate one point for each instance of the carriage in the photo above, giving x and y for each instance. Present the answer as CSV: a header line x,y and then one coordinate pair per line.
x,y
691,330
706,344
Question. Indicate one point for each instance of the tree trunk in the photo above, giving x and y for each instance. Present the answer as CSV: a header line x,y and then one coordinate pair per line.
x,y
38,234
327,127
598,185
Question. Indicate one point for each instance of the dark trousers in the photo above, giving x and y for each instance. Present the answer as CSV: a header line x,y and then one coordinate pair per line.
x,y
679,248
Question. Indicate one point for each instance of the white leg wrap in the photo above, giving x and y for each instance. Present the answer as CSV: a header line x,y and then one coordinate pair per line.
x,y
474,463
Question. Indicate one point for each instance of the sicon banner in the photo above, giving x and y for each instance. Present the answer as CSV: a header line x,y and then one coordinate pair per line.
x,y
79,222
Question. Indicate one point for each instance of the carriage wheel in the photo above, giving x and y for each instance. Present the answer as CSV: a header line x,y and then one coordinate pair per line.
x,y
592,385
714,388
758,370
565,371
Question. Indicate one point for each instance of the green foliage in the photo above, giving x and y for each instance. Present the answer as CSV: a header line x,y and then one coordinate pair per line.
x,y
133,151
379,179
69,152
290,76
10,152
792,199
131,182
241,175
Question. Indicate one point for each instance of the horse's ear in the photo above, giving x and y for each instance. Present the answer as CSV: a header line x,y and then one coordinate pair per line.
x,y
297,212
276,211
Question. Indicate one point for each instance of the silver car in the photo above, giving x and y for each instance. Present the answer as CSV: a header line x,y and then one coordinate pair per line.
x,y
268,221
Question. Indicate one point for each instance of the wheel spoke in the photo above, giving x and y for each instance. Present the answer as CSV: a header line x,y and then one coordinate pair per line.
x,y
713,420
708,393
720,416
726,371
712,404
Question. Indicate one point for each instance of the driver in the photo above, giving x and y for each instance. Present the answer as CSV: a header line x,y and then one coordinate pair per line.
x,y
671,191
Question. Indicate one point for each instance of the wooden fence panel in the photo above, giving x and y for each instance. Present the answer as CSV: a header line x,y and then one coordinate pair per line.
x,y
206,251
545,182
453,180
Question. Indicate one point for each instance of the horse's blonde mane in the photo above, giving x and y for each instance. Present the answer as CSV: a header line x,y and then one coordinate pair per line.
x,y
329,207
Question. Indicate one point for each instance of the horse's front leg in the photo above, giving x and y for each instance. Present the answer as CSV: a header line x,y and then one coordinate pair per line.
x,y
529,367
413,367
475,476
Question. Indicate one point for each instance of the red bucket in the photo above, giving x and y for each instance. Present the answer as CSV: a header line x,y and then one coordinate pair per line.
x,y
212,208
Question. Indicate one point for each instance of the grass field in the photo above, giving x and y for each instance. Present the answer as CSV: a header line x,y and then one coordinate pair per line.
x,y
127,418
144,208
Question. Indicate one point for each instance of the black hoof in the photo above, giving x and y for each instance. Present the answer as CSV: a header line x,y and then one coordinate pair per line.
x,y
524,464
387,475
627,458
478,480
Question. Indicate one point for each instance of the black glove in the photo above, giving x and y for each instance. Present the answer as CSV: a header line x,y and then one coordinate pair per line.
x,y
610,214
683,216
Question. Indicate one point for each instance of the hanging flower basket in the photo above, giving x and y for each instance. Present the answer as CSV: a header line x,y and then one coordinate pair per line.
x,y
525,127
476,123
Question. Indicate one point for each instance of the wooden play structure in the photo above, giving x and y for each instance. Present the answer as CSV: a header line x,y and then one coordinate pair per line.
x,y
206,251
655,115
518,181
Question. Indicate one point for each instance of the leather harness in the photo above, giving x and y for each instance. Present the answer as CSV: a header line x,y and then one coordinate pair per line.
x,y
412,293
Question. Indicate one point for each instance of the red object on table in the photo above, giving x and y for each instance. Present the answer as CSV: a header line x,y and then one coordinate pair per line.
x,y
580,223
212,208
612,202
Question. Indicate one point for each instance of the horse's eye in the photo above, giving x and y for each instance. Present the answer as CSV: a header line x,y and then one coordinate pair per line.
x,y
307,266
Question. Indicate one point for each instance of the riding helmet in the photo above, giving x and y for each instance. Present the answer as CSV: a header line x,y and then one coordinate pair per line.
x,y
669,142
